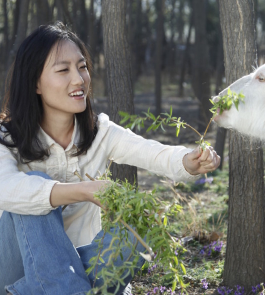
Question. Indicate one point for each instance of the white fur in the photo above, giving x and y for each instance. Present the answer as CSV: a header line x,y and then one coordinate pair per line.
x,y
250,117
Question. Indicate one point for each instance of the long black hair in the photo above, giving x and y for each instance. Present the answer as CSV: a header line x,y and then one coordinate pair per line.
x,y
22,111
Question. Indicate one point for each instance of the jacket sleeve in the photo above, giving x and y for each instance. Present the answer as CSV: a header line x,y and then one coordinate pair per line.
x,y
125,147
20,193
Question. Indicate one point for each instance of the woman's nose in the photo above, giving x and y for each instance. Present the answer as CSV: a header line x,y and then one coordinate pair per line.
x,y
77,78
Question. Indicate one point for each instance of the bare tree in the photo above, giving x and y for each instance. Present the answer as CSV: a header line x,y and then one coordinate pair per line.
x,y
22,25
201,61
118,67
44,14
245,253
160,6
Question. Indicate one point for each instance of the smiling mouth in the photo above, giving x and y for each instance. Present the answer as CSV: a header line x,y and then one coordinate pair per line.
x,y
77,93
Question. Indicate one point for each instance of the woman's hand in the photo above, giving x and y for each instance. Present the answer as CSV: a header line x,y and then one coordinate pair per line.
x,y
200,162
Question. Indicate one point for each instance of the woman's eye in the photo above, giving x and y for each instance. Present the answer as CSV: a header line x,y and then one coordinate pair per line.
x,y
83,67
63,70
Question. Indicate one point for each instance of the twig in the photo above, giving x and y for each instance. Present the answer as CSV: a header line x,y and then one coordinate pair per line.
x,y
139,238
78,175
186,124
90,177
207,127
111,161
99,253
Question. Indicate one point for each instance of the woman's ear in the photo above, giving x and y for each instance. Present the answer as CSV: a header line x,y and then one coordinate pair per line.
x,y
38,91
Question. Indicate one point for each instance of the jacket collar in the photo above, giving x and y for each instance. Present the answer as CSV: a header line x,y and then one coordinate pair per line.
x,y
47,141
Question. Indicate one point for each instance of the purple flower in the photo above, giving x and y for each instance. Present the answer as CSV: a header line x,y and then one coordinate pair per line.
x,y
162,289
155,289
204,180
223,290
176,253
204,284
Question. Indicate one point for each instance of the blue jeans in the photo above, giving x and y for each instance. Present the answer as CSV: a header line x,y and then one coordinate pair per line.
x,y
37,257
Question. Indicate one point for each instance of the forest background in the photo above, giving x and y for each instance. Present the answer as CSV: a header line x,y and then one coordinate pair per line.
x,y
175,57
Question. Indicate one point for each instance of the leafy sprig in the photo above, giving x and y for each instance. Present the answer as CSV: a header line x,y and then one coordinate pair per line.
x,y
148,217
225,102
166,119
162,120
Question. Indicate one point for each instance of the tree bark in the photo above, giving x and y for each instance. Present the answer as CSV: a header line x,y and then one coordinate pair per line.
x,y
43,12
220,144
22,26
245,253
118,68
158,60
91,26
201,61
186,55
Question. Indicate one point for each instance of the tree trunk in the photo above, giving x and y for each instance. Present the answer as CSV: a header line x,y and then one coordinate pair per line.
x,y
43,12
4,57
158,60
21,28
201,61
118,68
186,56
91,39
220,144
62,12
245,253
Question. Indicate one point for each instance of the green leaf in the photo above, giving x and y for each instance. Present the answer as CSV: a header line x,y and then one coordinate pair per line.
x,y
149,128
101,259
174,285
183,268
165,221
177,131
170,111
125,119
229,92
123,114
152,116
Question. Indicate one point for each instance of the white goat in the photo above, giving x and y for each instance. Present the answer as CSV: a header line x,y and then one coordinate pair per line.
x,y
249,119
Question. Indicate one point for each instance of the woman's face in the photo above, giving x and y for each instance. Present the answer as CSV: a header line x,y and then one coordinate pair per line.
x,y
64,82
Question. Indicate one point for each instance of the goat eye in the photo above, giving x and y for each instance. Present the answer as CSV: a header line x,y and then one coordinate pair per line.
x,y
261,79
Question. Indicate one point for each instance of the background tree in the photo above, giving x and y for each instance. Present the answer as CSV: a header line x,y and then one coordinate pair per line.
x,y
245,253
118,67
160,6
201,63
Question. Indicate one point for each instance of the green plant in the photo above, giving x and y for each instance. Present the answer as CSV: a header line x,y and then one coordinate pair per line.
x,y
148,217
225,102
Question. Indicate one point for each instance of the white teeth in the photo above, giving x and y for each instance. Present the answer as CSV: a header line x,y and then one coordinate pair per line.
x,y
77,93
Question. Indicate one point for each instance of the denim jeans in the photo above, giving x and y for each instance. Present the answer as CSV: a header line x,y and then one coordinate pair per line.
x,y
37,257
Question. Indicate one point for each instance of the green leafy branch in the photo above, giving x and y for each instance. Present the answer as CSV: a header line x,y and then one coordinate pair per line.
x,y
162,120
148,217
225,102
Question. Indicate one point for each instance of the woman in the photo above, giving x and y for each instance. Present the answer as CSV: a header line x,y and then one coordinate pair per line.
x,y
48,132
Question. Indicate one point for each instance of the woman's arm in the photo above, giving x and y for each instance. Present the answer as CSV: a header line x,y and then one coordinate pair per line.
x,y
176,162
35,195
69,193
